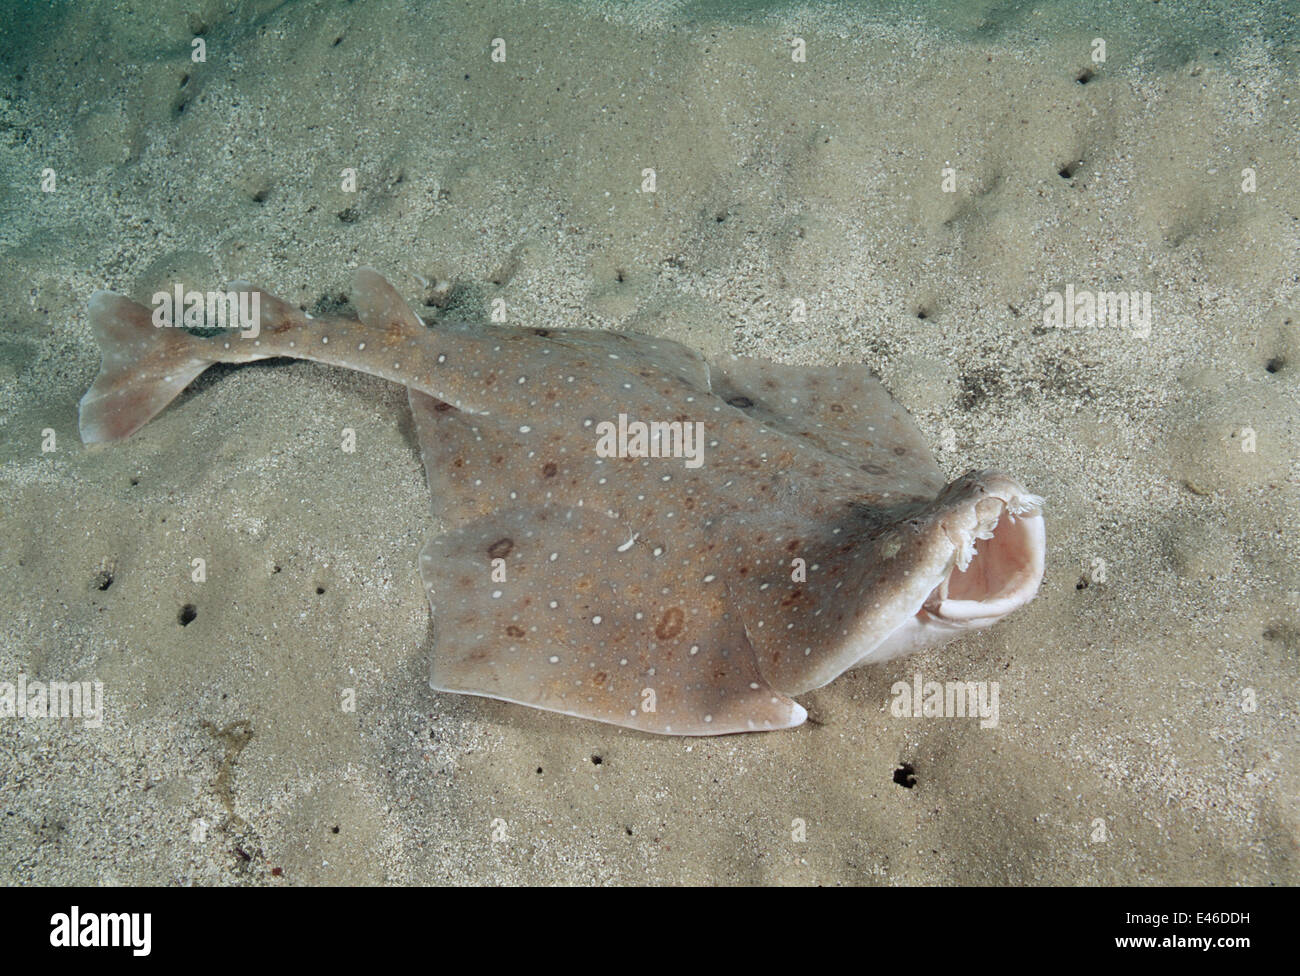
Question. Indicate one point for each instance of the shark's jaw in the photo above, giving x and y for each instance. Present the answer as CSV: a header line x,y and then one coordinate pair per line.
x,y
987,560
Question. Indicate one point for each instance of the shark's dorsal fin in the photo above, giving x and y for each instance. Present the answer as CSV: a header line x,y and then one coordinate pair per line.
x,y
380,306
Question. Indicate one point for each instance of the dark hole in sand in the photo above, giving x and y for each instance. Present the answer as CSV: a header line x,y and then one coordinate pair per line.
x,y
905,776
187,615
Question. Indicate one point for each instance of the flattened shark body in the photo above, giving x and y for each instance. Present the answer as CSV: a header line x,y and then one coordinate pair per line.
x,y
757,529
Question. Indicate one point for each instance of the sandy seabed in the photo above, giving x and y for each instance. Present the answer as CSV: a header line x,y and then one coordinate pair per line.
x,y
1148,698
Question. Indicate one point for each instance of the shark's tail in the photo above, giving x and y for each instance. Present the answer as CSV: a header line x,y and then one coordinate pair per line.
x,y
142,370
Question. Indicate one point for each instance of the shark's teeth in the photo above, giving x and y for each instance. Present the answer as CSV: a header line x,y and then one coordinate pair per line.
x,y
1017,505
968,548
969,545
1025,504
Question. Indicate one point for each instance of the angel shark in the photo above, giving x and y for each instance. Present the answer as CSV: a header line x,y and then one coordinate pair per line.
x,y
626,532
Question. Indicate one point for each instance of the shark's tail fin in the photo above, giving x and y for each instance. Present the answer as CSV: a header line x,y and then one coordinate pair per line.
x,y
142,370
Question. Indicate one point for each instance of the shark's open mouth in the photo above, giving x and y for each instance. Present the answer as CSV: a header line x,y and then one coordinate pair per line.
x,y
999,562
988,546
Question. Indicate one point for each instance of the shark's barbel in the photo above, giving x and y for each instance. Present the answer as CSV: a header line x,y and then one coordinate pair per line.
x,y
815,534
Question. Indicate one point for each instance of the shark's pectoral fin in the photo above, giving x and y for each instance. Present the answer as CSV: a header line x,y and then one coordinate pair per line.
x,y
563,610
843,410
